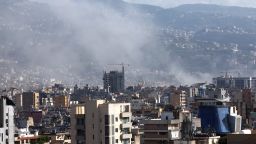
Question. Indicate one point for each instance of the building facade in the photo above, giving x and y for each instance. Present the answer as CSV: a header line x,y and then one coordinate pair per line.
x,y
114,81
235,82
61,101
78,124
6,121
30,101
178,98
164,130
108,123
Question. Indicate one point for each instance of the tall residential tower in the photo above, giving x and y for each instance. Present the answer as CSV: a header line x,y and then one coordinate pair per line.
x,y
114,81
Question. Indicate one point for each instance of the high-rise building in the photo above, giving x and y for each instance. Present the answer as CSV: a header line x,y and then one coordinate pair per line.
x,y
108,123
78,124
30,100
235,82
6,121
114,81
178,98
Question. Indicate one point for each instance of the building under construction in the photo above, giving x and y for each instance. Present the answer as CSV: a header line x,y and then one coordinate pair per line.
x,y
114,81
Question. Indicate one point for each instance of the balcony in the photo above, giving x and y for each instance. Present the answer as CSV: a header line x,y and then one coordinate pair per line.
x,y
126,114
126,125
156,136
126,136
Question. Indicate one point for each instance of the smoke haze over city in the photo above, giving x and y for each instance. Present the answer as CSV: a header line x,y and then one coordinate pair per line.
x,y
75,41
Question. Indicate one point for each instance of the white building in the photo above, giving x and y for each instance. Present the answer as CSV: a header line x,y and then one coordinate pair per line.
x,y
6,121
108,123
235,120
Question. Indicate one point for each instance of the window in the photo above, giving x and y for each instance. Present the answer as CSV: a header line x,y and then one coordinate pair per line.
x,y
106,119
106,130
113,130
106,140
116,129
93,137
116,140
127,109
80,132
80,121
112,119
116,119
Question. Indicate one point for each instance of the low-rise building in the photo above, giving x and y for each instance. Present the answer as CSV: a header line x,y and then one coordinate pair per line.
x,y
165,130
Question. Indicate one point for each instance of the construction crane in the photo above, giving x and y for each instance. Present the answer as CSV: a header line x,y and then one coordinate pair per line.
x,y
121,64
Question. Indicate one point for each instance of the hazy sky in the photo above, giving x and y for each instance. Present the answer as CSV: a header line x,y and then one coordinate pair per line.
x,y
173,3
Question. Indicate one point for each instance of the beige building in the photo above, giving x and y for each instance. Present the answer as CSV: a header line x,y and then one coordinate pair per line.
x,y
78,124
136,135
178,98
166,130
101,122
61,101
30,100
161,131
108,123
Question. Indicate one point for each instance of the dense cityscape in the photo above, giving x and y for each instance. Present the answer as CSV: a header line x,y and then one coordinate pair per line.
x,y
204,113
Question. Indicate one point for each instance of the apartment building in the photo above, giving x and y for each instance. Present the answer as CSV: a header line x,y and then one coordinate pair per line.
x,y
107,122
6,121
178,98
61,101
30,101
78,124
164,130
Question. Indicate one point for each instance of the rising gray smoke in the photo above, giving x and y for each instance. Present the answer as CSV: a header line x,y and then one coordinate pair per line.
x,y
83,37
111,36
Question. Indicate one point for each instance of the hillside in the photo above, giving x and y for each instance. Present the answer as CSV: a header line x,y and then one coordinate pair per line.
x,y
40,43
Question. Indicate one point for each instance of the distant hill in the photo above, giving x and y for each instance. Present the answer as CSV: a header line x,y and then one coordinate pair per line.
x,y
196,38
